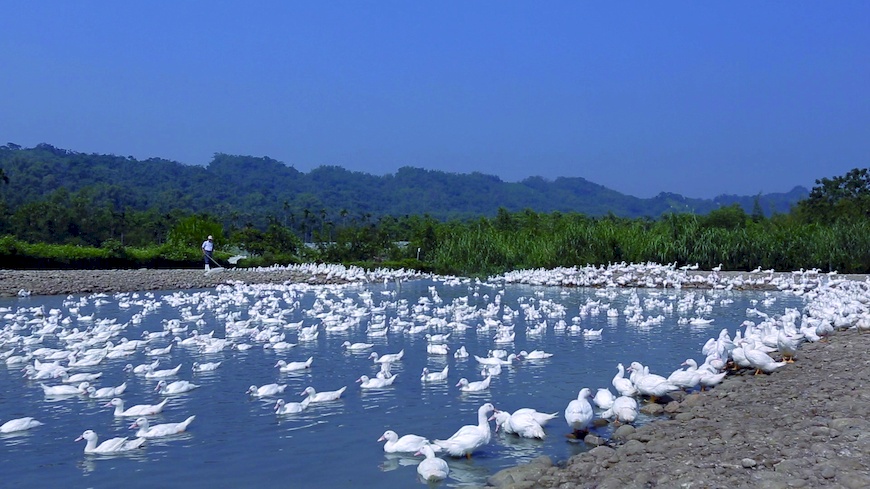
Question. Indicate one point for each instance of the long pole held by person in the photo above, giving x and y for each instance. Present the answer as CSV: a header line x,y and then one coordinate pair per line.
x,y
207,249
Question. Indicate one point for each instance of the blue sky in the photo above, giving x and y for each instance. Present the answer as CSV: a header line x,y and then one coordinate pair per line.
x,y
695,98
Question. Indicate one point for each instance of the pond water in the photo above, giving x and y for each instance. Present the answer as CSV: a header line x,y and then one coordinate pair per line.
x,y
238,441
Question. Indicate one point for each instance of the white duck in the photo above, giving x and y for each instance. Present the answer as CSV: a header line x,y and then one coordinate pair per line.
x,y
138,410
78,378
603,398
579,413
162,374
405,444
376,383
268,390
111,446
323,396
282,407
535,355
205,367
711,379
624,410
177,387
431,468
159,430
686,379
61,390
19,424
761,361
480,385
347,345
541,418
428,376
388,358
384,372
437,349
437,338
285,366
461,352
496,361
787,346
470,437
625,387
522,424
490,370
142,368
738,355
651,385
106,392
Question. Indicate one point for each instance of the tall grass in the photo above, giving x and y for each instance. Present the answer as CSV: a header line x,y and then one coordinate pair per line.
x,y
528,240
482,249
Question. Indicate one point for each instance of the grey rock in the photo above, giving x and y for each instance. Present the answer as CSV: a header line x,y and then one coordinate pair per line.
x,y
594,440
623,432
748,463
631,447
854,480
827,472
843,424
652,409
602,452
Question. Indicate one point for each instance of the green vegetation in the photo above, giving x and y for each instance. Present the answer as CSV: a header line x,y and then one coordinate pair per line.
x,y
95,224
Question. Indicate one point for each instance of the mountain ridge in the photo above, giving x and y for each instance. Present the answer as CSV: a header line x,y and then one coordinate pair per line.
x,y
260,188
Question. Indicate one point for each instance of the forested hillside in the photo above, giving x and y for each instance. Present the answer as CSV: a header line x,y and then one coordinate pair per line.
x,y
256,190
62,209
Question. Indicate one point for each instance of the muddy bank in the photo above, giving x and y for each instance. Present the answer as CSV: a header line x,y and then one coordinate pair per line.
x,y
805,425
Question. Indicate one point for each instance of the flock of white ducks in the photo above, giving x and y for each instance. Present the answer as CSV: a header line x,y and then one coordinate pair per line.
x,y
833,304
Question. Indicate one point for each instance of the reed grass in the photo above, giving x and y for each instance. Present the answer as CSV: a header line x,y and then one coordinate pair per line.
x,y
681,239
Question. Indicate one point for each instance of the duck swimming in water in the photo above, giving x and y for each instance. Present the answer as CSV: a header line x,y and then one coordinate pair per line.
x,y
470,437
111,446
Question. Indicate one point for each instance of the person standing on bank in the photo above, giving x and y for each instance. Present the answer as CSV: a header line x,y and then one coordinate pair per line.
x,y
207,249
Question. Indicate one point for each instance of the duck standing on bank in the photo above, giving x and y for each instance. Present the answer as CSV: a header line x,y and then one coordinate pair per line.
x,y
579,414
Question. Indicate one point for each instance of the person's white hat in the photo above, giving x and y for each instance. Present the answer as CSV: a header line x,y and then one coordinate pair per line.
x,y
210,237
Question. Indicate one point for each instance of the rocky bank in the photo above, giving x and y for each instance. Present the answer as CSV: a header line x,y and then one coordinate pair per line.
x,y
805,425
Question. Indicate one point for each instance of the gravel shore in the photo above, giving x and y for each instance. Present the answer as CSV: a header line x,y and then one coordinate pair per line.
x,y
805,425
60,282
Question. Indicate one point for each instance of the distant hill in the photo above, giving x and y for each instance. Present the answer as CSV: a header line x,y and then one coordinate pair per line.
x,y
253,189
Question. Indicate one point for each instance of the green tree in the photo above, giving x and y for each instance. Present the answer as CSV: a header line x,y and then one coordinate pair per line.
x,y
757,211
191,231
729,217
843,197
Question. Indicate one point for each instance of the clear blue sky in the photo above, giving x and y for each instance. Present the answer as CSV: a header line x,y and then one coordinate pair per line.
x,y
642,97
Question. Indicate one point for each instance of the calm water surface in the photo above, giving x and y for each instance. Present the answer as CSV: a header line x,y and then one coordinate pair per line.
x,y
237,441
